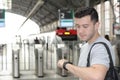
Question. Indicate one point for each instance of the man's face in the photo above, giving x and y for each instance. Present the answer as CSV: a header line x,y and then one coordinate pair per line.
x,y
86,28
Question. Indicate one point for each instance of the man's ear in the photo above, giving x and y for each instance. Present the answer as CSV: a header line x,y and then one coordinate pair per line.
x,y
97,25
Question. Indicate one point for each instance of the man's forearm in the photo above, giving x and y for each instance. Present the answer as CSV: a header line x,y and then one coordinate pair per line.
x,y
86,73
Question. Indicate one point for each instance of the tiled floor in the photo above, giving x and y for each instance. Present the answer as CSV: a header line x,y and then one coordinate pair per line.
x,y
50,75
32,77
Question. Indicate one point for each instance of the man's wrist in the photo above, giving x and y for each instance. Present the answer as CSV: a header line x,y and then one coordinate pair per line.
x,y
64,65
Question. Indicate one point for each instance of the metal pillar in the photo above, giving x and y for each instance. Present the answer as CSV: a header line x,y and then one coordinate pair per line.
x,y
112,19
102,18
87,2
111,22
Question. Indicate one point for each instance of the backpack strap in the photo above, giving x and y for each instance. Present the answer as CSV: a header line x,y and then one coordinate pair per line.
x,y
108,51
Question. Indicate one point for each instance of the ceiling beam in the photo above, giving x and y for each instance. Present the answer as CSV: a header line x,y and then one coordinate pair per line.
x,y
35,8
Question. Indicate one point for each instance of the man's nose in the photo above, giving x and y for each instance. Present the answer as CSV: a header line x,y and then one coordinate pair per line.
x,y
80,30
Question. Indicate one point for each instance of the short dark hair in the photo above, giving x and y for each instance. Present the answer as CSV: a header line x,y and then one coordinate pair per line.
x,y
87,11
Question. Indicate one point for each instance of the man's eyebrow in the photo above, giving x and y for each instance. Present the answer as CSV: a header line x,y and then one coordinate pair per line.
x,y
77,25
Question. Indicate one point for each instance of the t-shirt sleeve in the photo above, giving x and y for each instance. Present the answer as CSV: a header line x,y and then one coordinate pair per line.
x,y
99,55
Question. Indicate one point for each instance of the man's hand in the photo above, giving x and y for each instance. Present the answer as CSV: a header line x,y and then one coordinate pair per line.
x,y
60,63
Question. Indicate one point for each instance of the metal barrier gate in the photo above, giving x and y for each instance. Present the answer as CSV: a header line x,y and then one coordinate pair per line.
x,y
68,51
15,63
5,59
39,60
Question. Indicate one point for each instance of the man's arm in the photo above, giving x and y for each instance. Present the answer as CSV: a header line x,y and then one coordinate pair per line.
x,y
95,72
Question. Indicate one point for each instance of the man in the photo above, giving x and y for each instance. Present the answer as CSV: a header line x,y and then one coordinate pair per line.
x,y
87,25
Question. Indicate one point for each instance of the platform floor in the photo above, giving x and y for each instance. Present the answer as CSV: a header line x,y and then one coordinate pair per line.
x,y
50,75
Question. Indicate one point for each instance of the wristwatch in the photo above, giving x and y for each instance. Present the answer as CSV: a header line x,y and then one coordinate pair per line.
x,y
64,65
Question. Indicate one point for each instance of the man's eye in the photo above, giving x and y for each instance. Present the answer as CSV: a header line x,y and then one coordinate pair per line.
x,y
77,26
85,26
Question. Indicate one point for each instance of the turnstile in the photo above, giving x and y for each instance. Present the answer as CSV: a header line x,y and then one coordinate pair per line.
x,y
61,55
15,64
39,60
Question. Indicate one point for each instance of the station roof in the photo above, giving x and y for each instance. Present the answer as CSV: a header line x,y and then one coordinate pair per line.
x,y
44,12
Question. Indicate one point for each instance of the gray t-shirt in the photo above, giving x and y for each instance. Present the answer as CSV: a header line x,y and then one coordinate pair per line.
x,y
98,53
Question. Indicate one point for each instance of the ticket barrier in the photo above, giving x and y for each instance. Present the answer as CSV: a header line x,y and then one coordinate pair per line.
x,y
39,60
61,55
15,64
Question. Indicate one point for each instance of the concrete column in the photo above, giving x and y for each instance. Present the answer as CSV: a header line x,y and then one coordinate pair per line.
x,y
102,18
